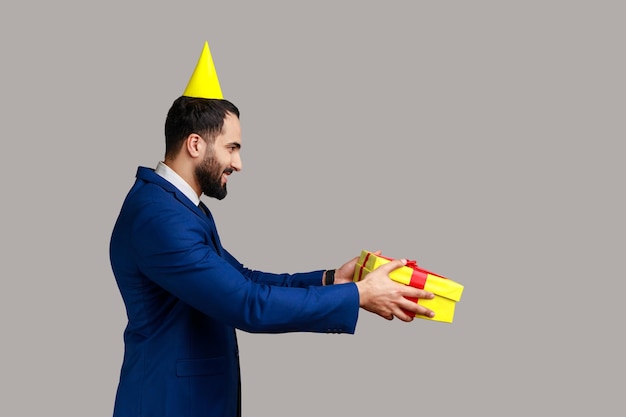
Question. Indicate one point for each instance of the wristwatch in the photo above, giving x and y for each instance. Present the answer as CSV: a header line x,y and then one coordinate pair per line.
x,y
330,277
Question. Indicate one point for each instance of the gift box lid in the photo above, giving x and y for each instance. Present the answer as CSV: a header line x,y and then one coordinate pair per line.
x,y
410,274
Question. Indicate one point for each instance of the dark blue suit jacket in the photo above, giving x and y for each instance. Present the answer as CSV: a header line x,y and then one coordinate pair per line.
x,y
185,295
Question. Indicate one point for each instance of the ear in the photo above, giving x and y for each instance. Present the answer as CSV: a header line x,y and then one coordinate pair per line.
x,y
194,145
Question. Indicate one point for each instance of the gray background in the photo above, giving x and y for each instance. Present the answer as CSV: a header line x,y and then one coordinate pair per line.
x,y
481,138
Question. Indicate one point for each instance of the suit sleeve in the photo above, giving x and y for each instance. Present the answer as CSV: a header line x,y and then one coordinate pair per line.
x,y
301,279
173,251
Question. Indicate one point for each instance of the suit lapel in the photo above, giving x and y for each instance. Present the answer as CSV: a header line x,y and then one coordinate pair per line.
x,y
148,174
214,236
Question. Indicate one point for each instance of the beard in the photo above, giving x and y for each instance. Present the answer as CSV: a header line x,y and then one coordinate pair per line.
x,y
209,175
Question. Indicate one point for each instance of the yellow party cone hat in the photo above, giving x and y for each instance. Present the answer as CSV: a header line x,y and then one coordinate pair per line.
x,y
204,82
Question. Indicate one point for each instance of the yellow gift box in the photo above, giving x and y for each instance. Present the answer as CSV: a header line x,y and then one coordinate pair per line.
x,y
446,291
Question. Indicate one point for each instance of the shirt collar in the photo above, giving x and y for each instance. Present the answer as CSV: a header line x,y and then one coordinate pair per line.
x,y
177,181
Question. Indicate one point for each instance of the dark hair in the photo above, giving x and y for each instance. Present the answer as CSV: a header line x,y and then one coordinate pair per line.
x,y
188,115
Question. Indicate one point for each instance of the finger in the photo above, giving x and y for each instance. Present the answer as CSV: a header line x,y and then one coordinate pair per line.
x,y
391,265
387,316
416,309
412,292
405,315
423,311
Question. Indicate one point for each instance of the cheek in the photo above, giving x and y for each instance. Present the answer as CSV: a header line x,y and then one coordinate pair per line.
x,y
224,160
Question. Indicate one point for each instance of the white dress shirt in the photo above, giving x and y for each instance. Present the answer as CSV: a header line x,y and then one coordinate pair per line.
x,y
177,181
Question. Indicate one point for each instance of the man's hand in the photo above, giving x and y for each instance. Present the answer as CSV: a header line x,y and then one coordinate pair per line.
x,y
345,273
381,295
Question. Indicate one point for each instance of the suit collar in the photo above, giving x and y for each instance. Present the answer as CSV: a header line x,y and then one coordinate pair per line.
x,y
149,175
172,176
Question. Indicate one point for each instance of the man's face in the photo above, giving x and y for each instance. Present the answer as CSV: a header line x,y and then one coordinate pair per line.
x,y
220,160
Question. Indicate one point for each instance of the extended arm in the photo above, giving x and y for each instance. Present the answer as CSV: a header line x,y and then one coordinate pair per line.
x,y
176,256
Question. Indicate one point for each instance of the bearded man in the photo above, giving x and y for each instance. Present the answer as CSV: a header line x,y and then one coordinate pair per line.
x,y
185,295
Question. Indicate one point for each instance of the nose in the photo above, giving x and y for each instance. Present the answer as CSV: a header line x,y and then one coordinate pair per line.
x,y
235,162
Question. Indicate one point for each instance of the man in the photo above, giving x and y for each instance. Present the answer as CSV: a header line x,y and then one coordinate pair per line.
x,y
185,295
